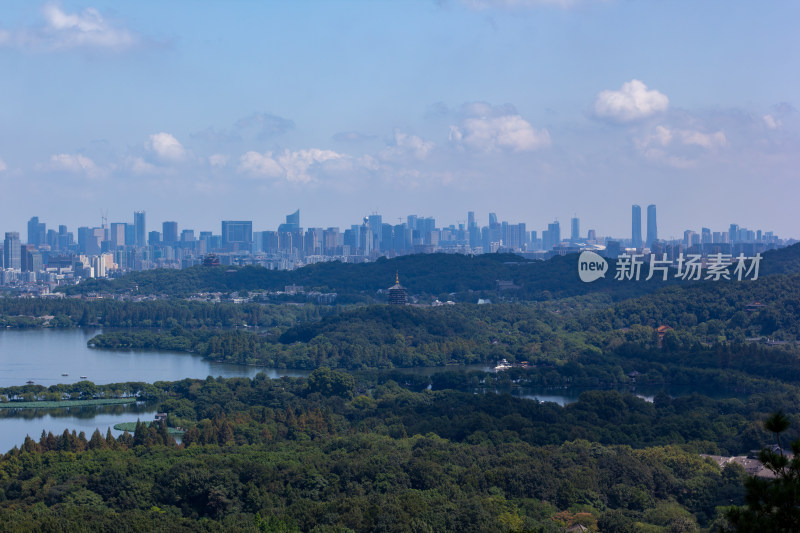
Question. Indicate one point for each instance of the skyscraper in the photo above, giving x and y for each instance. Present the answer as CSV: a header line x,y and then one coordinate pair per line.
x,y
12,251
652,227
237,231
169,232
139,228
294,219
117,234
636,226
575,235
37,232
733,233
375,223
553,236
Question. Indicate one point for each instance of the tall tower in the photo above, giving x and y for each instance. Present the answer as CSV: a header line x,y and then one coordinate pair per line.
x,y
12,251
397,293
140,233
169,233
636,226
36,232
652,227
575,234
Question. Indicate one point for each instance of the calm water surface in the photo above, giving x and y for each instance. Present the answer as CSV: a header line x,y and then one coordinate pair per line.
x,y
43,355
15,424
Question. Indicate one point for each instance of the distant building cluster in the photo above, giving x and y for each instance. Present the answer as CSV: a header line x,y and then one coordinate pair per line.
x,y
52,257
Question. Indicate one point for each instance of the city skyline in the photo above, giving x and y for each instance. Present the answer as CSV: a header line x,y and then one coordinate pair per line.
x,y
540,224
136,234
174,231
535,108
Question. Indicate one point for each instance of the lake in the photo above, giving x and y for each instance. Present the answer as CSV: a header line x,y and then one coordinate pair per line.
x,y
16,423
43,355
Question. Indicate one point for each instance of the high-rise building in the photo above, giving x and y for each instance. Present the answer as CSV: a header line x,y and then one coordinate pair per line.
x,y
733,233
331,241
30,258
239,232
652,226
269,241
12,251
130,235
575,234
387,236
169,232
706,236
402,238
471,220
375,223
37,232
65,237
140,230
117,235
636,226
552,237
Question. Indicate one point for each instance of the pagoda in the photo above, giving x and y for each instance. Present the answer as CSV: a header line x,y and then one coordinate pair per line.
x,y
397,293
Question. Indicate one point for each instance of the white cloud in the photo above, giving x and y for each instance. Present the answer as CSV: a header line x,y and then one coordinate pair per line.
x,y
257,164
218,160
489,129
673,146
664,136
772,122
166,147
3,165
407,146
704,140
632,102
352,136
140,166
294,166
74,163
62,30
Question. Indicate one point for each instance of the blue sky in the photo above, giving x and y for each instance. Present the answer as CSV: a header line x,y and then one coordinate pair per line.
x,y
535,110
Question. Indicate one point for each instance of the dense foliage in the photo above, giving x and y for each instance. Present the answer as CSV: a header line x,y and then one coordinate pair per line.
x,y
71,312
318,453
383,449
465,277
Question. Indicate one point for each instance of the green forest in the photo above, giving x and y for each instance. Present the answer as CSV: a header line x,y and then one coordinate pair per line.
x,y
362,444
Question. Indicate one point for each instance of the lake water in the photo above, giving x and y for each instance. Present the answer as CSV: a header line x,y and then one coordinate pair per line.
x,y
43,355
15,424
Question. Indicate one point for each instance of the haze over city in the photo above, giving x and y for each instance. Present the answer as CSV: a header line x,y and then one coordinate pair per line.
x,y
535,110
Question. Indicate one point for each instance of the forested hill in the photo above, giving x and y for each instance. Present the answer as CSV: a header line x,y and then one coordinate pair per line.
x,y
422,274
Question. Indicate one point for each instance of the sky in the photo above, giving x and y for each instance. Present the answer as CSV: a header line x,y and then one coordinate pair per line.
x,y
537,110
